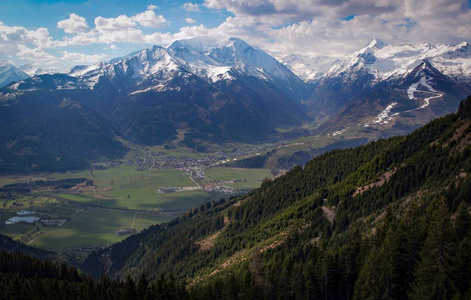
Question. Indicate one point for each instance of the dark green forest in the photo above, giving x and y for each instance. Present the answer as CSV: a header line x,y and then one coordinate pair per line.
x,y
388,220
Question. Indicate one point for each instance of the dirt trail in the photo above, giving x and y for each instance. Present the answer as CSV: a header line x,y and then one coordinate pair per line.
x,y
134,221
385,178
329,213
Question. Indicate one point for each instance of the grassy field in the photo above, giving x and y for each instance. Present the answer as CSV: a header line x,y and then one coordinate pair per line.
x,y
40,206
17,230
128,177
250,178
142,199
125,187
96,227
121,176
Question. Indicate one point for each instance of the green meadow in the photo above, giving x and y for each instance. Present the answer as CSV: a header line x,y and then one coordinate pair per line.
x,y
250,178
95,227
97,211
125,187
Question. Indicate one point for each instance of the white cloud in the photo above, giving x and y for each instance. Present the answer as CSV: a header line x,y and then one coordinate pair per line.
x,y
122,22
74,24
188,32
36,55
23,43
40,37
113,47
84,38
149,19
310,27
191,7
152,7
127,35
10,38
121,29
315,27
80,58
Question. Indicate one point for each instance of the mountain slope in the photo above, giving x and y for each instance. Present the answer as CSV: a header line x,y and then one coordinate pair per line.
x,y
309,69
44,132
8,245
323,231
10,73
406,86
211,92
33,71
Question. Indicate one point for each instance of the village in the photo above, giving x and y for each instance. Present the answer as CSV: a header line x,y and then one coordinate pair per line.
x,y
194,166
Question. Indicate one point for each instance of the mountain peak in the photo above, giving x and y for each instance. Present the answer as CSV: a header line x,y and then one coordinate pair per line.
x,y
238,43
426,68
9,73
196,43
377,44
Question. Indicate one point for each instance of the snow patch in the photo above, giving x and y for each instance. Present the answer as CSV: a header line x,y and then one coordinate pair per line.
x,y
157,88
412,89
384,117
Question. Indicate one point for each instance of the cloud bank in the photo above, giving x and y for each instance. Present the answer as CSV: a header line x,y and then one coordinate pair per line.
x,y
281,27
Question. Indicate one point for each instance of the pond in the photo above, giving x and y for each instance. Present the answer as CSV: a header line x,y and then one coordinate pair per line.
x,y
14,220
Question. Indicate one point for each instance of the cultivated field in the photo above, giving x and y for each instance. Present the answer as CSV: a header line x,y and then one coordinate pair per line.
x,y
96,227
248,178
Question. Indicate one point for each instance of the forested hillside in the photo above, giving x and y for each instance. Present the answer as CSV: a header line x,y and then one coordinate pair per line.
x,y
26,277
386,220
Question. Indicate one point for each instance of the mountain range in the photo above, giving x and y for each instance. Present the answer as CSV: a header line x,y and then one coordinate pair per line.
x,y
197,92
392,88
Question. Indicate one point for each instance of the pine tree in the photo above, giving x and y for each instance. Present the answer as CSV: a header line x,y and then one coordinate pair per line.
x,y
433,279
462,258
142,287
130,291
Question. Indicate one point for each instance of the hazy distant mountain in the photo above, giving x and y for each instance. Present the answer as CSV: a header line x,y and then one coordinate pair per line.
x,y
309,69
32,70
382,86
10,73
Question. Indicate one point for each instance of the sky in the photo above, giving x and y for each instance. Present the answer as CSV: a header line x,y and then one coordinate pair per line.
x,y
59,34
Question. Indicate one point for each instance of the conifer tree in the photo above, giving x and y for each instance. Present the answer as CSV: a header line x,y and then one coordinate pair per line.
x,y
462,258
433,279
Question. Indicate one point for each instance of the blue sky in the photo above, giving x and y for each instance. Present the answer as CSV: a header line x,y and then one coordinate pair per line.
x,y
46,13
62,33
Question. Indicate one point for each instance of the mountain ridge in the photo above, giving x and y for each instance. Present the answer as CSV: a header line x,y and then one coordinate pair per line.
x,y
10,73
196,87
234,93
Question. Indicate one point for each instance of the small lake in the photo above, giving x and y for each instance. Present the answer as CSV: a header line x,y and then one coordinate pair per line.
x,y
14,220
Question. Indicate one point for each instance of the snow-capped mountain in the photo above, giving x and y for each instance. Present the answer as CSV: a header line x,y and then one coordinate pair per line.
x,y
388,62
309,69
382,85
207,59
216,61
33,71
213,91
10,73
